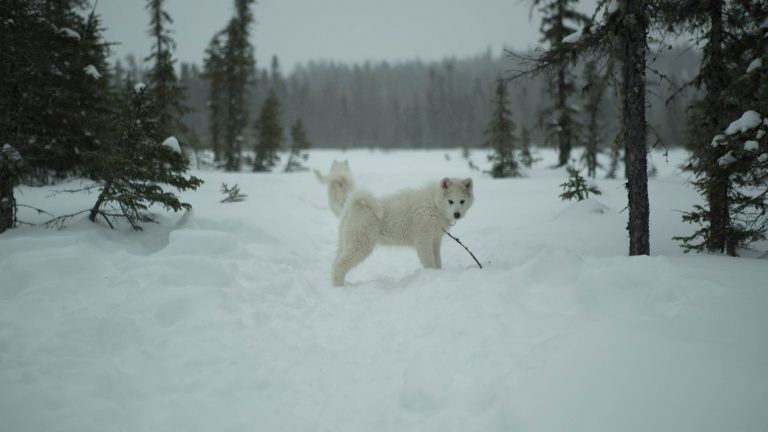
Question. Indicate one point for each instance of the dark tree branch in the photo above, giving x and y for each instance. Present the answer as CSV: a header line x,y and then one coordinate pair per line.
x,y
466,248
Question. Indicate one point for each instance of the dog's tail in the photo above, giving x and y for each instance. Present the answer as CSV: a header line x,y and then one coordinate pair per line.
x,y
320,177
364,199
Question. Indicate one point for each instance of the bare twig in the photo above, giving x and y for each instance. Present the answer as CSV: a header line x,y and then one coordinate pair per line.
x,y
466,248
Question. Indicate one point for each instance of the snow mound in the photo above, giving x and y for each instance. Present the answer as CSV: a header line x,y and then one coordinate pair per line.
x,y
748,120
727,159
69,33
573,37
755,64
173,144
717,140
580,209
139,87
751,145
91,71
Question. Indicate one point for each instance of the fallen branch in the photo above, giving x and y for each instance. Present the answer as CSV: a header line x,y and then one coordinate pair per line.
x,y
466,248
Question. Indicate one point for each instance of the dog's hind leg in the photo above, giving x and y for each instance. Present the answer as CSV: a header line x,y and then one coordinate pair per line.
x,y
350,254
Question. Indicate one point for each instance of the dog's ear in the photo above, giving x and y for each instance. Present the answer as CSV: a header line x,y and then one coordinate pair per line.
x,y
468,184
444,183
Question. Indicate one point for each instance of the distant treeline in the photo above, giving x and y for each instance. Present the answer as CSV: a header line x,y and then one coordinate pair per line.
x,y
417,104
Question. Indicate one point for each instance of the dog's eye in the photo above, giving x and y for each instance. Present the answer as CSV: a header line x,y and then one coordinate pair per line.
x,y
461,202
450,201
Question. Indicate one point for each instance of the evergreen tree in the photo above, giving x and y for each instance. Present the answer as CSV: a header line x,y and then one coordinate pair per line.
x,y
730,163
214,72
133,167
239,66
163,82
501,136
622,32
270,134
299,145
593,95
55,96
576,187
560,119
526,158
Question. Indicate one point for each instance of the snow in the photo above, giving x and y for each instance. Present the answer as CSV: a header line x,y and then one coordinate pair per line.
x,y
139,87
755,64
613,6
11,153
717,140
224,318
91,71
760,134
751,145
747,121
69,33
573,37
173,144
763,157
727,159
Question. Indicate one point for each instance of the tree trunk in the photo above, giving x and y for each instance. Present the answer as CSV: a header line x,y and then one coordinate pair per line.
x,y
99,201
7,201
715,79
563,123
633,110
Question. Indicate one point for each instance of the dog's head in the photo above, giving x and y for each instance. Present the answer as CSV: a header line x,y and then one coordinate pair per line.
x,y
455,197
340,168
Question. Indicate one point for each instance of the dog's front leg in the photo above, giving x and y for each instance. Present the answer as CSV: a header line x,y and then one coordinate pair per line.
x,y
426,252
436,251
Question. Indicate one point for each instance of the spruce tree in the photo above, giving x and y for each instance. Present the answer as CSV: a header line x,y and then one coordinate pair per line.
x,y
299,145
133,168
55,100
162,78
239,66
501,136
270,134
621,32
526,158
214,72
728,141
560,119
593,98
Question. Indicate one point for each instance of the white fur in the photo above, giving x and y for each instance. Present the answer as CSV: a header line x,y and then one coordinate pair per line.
x,y
340,184
413,218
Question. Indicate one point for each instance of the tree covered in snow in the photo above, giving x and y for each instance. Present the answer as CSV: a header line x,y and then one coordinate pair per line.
x,y
500,135
132,170
164,84
269,129
559,24
299,145
56,97
729,124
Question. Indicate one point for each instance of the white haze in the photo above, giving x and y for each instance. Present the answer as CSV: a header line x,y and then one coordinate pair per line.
x,y
298,31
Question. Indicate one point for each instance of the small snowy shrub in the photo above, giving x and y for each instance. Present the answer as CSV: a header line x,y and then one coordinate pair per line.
x,y
576,187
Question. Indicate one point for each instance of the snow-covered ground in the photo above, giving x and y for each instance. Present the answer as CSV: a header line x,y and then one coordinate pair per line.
x,y
225,320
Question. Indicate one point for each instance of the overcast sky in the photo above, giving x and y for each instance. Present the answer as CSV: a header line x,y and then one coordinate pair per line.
x,y
343,30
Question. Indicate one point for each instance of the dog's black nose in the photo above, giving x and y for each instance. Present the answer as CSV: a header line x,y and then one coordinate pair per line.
x,y
456,215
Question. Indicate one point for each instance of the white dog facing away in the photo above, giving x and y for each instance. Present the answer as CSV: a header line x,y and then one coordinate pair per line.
x,y
340,184
413,218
